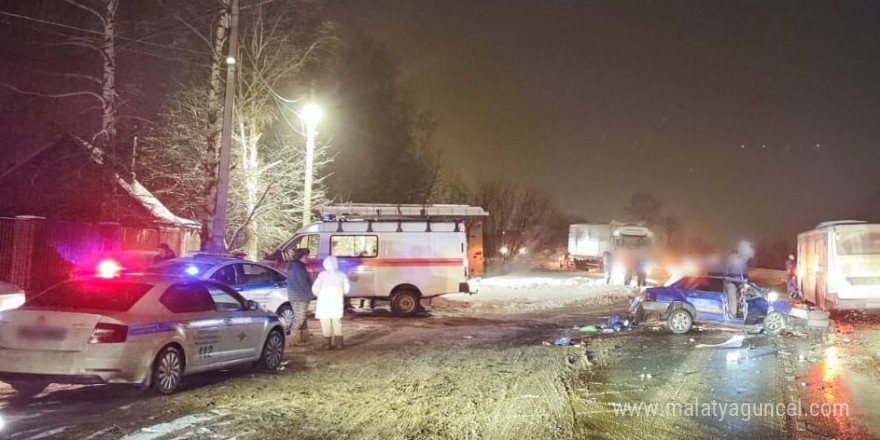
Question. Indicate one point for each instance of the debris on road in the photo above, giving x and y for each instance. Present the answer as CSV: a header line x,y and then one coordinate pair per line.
x,y
735,341
562,341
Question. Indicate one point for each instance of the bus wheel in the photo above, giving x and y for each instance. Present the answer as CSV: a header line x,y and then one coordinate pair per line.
x,y
405,303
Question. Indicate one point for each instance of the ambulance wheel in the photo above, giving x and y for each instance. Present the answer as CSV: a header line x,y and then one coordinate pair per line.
x,y
285,312
167,370
405,303
774,323
679,321
28,388
273,351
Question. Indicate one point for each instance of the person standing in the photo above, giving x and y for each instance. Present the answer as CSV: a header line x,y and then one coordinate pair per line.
x,y
165,253
641,271
330,287
791,276
607,265
299,293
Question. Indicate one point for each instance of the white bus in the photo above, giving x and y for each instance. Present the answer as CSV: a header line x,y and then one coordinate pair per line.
x,y
399,253
839,265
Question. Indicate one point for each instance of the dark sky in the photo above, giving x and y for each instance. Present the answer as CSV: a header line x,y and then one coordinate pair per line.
x,y
750,119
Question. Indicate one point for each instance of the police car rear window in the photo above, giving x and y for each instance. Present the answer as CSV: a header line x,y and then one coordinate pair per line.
x,y
110,295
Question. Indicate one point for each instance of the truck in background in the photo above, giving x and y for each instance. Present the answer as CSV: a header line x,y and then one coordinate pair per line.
x,y
838,265
588,241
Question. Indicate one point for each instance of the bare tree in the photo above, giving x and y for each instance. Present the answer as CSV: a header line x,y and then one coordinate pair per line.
x,y
643,206
268,159
98,83
671,226
518,218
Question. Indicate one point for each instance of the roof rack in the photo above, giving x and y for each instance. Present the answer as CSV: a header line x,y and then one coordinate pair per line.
x,y
363,211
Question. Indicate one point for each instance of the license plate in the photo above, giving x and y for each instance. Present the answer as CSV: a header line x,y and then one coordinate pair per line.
x,y
42,333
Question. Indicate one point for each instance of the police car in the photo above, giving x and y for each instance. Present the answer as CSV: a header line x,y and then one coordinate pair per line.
x,y
255,281
149,330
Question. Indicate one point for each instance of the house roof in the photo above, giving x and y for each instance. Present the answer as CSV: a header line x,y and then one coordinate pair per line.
x,y
133,188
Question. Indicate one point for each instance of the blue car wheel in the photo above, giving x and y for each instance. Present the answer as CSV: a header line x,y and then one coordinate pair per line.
x,y
774,323
679,321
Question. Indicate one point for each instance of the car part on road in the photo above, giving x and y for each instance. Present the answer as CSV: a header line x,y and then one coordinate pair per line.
x,y
679,321
735,341
273,351
167,370
562,341
405,302
774,323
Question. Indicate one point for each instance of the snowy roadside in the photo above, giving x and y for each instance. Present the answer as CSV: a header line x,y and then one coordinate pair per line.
x,y
533,291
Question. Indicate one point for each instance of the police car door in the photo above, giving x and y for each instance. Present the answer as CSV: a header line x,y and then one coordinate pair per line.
x,y
192,306
262,284
242,333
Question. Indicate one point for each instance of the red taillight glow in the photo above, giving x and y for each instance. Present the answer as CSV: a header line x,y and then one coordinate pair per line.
x,y
108,334
109,269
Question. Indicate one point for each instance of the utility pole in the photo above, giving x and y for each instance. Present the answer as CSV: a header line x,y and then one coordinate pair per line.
x,y
218,231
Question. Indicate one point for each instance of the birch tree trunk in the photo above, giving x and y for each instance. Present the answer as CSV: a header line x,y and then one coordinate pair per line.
x,y
214,121
106,138
250,163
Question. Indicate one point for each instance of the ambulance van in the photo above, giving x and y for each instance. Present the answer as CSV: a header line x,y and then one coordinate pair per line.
x,y
398,253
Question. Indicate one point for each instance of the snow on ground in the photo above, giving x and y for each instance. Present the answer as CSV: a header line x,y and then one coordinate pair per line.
x,y
533,290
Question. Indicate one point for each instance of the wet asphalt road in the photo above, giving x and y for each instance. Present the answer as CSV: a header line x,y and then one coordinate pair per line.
x,y
648,365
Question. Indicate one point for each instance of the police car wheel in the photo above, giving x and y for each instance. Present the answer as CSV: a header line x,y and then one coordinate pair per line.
x,y
405,303
285,312
774,323
273,351
167,370
679,321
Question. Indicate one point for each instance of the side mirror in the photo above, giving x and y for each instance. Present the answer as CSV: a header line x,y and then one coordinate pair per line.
x,y
253,305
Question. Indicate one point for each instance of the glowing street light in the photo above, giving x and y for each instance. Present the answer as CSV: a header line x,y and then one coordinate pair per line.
x,y
504,250
311,115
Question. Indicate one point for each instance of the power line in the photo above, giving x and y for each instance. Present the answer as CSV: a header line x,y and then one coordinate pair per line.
x,y
89,31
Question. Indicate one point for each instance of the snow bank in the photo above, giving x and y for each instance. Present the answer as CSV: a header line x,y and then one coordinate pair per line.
x,y
533,291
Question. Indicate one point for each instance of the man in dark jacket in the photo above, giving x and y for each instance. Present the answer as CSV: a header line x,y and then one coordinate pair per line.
x,y
299,293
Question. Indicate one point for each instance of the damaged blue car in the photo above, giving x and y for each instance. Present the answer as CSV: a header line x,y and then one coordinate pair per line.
x,y
703,299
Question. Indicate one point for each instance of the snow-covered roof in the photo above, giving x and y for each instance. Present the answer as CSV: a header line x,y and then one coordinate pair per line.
x,y
138,191
152,204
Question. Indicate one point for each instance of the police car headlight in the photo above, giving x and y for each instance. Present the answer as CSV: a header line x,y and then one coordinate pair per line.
x,y
772,296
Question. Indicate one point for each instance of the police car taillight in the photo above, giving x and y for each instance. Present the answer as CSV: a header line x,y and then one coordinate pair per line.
x,y
109,269
108,333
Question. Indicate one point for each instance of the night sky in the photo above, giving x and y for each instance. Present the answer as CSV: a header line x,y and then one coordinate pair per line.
x,y
749,119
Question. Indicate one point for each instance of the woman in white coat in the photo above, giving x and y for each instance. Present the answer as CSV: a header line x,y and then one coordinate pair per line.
x,y
330,287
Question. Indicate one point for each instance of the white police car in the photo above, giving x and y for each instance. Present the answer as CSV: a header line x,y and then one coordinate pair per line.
x,y
149,330
255,281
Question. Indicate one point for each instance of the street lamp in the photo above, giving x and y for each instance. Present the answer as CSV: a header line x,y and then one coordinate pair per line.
x,y
311,115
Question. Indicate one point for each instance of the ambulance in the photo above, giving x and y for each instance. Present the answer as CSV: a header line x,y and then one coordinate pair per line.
x,y
398,253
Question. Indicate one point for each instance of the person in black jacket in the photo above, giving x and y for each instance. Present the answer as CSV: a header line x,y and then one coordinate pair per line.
x,y
299,292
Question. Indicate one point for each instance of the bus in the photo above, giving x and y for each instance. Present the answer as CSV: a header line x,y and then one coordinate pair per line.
x,y
839,265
